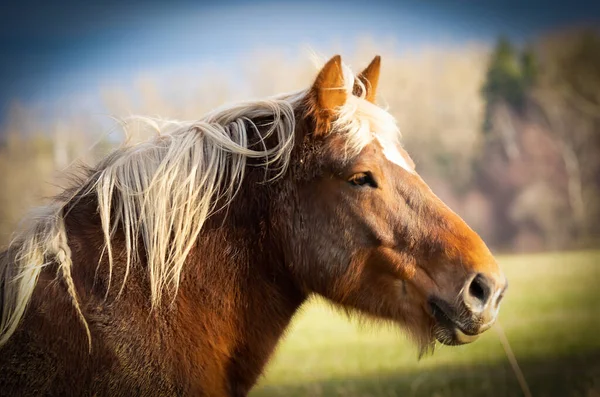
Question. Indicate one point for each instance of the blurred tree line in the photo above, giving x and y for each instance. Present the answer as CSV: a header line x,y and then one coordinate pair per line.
x,y
509,137
540,163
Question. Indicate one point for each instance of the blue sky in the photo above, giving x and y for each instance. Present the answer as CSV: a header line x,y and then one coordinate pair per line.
x,y
52,49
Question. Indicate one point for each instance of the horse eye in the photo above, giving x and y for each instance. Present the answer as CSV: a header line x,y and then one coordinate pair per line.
x,y
362,179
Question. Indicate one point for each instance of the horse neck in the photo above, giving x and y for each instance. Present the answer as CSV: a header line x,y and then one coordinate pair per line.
x,y
235,298
237,294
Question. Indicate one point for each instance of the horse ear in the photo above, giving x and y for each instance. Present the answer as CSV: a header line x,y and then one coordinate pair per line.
x,y
328,93
370,78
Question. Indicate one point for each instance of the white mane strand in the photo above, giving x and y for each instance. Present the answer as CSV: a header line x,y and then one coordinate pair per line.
x,y
164,190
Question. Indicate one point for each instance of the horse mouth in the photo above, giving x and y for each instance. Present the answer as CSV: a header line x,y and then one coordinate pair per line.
x,y
448,329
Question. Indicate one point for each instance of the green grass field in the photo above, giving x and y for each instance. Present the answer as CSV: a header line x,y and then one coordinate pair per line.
x,y
551,316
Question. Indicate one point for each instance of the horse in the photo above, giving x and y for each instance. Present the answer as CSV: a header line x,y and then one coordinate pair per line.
x,y
174,266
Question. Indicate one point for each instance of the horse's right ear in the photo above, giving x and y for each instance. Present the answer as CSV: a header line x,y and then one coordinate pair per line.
x,y
369,78
327,94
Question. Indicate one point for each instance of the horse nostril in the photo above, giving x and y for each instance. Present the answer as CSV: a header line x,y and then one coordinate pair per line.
x,y
476,288
479,292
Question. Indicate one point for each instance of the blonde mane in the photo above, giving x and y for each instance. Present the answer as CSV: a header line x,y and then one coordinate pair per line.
x,y
162,191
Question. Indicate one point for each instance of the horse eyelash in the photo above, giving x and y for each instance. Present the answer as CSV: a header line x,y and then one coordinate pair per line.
x,y
369,180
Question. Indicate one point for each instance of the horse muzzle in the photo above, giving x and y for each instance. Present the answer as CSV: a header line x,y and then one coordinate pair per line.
x,y
474,312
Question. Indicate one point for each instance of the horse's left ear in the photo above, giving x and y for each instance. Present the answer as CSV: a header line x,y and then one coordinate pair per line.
x,y
328,94
369,78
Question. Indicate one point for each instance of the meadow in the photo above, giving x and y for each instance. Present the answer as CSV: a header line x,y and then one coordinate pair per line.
x,y
551,317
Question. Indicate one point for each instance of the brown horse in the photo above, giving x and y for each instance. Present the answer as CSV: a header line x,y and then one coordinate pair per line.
x,y
175,265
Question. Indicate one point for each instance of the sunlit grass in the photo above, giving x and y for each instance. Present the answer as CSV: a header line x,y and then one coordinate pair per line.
x,y
551,316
